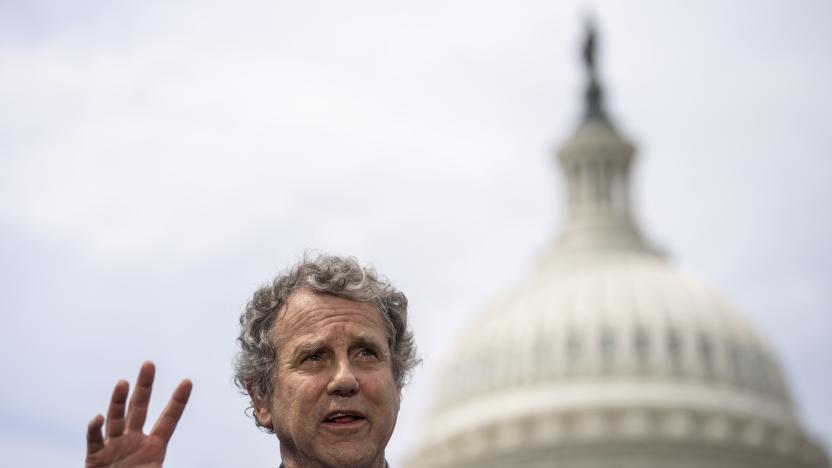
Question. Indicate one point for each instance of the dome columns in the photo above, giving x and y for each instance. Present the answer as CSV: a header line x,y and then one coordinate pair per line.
x,y
595,164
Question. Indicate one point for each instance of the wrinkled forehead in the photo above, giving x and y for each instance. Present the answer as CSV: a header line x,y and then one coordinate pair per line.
x,y
310,314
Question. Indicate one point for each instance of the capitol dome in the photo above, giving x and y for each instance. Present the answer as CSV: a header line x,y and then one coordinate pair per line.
x,y
606,356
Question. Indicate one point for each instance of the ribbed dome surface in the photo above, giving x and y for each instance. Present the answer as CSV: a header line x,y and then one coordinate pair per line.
x,y
611,316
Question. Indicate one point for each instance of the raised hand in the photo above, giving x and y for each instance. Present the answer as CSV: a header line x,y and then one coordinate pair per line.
x,y
126,445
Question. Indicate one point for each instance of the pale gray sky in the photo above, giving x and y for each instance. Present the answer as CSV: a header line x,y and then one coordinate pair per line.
x,y
162,159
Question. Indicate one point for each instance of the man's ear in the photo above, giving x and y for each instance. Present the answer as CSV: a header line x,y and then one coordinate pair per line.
x,y
262,411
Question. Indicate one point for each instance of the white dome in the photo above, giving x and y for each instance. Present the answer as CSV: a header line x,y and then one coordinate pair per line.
x,y
607,357
598,355
613,316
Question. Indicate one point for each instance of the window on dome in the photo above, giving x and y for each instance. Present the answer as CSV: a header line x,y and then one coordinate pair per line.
x,y
607,347
598,182
758,372
706,351
674,349
641,345
766,376
606,177
773,379
573,349
576,186
542,347
735,359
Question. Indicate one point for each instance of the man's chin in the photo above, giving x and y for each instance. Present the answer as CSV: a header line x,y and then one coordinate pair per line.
x,y
351,454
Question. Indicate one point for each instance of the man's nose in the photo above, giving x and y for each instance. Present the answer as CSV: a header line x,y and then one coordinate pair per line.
x,y
343,382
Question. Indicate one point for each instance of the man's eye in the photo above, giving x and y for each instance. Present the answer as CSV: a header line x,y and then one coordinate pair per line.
x,y
367,353
313,357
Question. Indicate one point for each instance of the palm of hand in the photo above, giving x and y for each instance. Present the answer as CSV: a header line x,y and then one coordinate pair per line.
x,y
126,446
133,450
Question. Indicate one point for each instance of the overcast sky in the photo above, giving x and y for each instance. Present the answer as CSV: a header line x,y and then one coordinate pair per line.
x,y
160,160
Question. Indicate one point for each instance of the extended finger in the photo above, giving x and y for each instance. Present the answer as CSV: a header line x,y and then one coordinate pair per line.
x,y
139,401
115,413
95,441
173,411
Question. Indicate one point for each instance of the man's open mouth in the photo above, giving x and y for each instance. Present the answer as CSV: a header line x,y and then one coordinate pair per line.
x,y
343,417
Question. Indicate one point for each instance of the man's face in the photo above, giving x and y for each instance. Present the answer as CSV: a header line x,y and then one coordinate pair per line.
x,y
335,401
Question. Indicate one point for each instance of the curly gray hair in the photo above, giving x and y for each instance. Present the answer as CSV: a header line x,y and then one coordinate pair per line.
x,y
324,274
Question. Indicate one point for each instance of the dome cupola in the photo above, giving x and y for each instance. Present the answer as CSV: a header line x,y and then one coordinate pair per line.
x,y
595,162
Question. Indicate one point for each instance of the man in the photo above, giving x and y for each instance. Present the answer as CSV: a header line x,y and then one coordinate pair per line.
x,y
325,352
